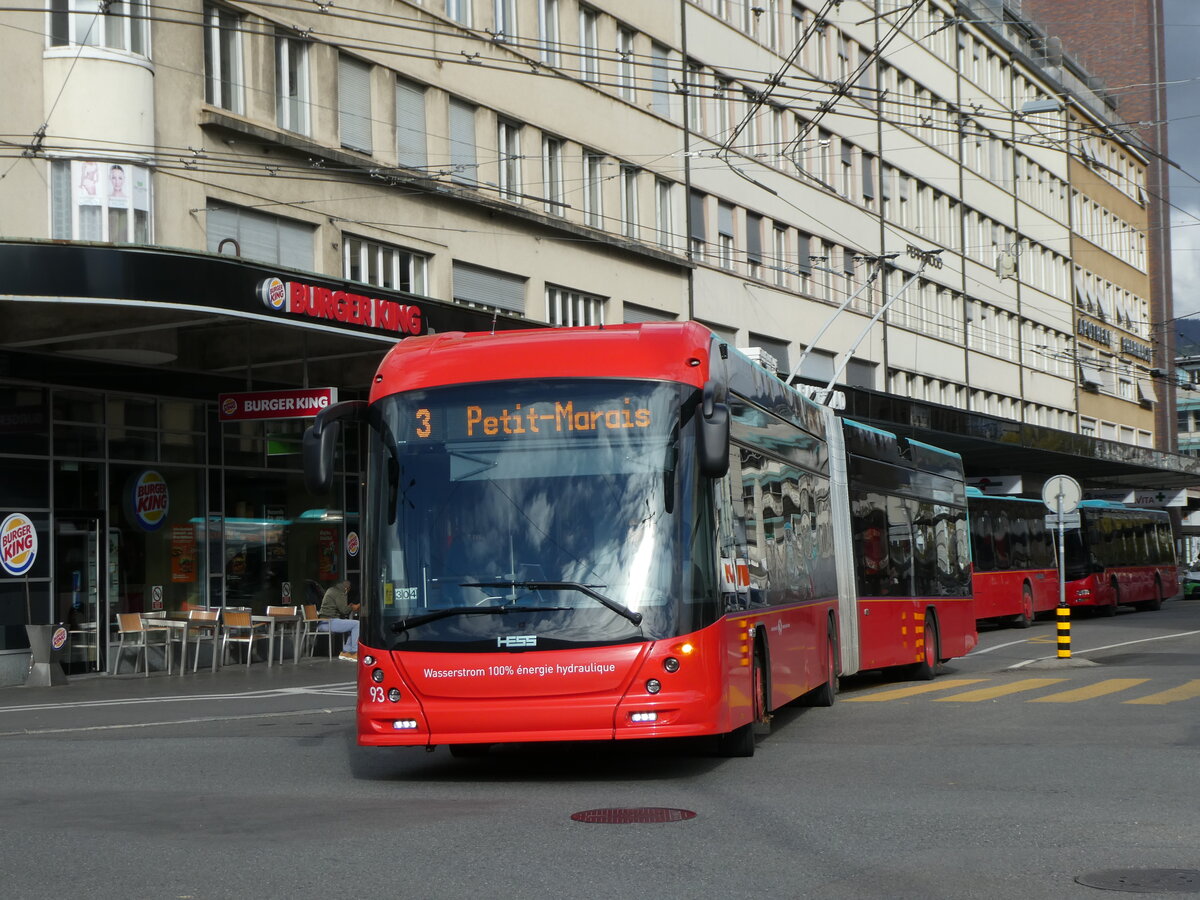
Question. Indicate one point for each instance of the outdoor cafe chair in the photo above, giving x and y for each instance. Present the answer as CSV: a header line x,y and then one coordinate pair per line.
x,y
202,625
238,628
284,628
312,631
135,635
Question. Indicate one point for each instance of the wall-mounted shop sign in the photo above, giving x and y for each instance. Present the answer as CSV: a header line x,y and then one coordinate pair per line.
x,y
1130,347
1094,332
302,403
316,302
18,544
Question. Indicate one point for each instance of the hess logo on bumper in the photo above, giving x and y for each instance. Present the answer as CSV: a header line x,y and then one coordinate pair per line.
x,y
517,640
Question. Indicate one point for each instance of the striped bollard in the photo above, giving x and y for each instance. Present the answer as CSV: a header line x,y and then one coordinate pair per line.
x,y
1064,632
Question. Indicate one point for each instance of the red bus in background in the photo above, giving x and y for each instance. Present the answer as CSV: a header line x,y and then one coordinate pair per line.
x,y
628,532
1015,563
1120,556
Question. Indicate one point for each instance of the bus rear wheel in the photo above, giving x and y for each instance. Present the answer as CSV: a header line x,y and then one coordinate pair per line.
x,y
926,669
1025,617
1155,603
826,694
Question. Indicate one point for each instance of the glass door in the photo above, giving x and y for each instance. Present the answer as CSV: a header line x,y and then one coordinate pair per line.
x,y
77,592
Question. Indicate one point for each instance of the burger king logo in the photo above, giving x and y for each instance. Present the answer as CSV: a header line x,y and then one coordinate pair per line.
x,y
18,544
150,500
229,406
352,543
59,639
273,293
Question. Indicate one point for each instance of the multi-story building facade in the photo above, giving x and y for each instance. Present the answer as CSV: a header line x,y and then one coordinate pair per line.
x,y
884,196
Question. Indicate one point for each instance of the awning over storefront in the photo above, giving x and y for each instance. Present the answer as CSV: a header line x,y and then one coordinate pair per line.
x,y
197,312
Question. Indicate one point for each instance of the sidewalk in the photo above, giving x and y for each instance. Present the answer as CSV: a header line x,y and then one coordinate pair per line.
x,y
94,702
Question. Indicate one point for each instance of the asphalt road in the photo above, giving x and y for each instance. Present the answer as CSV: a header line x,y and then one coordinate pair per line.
x,y
989,782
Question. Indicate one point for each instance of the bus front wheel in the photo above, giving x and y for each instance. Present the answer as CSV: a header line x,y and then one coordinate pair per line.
x,y
926,669
740,741
1024,618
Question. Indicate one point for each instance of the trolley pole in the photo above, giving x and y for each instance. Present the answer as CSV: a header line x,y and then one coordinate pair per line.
x,y
1061,495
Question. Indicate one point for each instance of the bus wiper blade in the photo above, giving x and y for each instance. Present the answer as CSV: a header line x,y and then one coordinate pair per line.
x,y
619,608
435,614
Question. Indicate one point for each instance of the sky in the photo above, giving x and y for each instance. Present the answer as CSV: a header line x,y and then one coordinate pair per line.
x,y
1182,20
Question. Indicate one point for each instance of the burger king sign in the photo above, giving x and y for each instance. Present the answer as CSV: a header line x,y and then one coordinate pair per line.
x,y
149,500
18,544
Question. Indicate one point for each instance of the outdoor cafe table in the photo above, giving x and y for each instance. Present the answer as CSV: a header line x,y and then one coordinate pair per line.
x,y
284,619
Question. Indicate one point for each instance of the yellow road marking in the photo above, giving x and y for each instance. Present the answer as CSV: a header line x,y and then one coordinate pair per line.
x,y
1185,691
1000,690
926,688
1099,689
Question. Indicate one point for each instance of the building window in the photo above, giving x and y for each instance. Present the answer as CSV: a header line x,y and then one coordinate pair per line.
x,y
552,175
506,20
384,265
259,236
354,103
664,218
697,230
725,235
626,65
100,201
291,84
117,26
569,309
508,140
459,11
779,250
410,124
660,78
629,201
223,58
462,142
589,47
593,184
548,29
754,255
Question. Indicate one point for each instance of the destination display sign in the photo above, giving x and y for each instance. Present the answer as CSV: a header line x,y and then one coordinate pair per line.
x,y
576,411
559,417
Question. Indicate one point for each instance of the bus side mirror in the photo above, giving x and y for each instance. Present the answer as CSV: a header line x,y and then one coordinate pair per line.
x,y
712,434
320,442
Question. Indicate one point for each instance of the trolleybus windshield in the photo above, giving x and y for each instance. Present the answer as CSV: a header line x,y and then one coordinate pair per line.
x,y
538,514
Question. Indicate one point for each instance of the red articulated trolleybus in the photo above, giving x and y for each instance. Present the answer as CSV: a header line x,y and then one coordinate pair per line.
x,y
630,532
1120,555
1016,566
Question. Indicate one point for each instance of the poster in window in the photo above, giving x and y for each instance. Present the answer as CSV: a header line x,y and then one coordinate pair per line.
x,y
87,184
327,556
140,179
183,554
118,186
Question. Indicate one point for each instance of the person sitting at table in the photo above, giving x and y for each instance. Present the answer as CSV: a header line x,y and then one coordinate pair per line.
x,y
337,608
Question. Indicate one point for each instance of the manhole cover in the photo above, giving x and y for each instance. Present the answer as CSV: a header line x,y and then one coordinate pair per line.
x,y
632,815
1144,881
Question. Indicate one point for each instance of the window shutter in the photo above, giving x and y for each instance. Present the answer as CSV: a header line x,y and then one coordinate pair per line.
x,y
696,202
754,237
295,245
410,124
487,287
462,141
660,78
776,348
634,314
725,219
354,103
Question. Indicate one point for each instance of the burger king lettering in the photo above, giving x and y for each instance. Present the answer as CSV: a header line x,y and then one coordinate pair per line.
x,y
340,306
151,500
18,544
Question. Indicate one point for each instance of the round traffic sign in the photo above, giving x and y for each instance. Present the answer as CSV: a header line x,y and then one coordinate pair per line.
x,y
1061,494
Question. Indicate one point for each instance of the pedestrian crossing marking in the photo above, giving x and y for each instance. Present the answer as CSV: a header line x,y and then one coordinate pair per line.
x,y
1091,691
913,690
1000,690
1185,691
